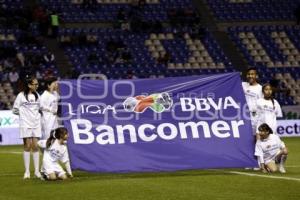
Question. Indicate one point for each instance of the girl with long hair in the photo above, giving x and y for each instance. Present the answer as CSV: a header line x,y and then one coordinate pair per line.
x,y
27,106
268,109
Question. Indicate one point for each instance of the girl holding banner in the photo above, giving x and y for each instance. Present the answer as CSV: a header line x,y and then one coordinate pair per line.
x,y
270,150
27,106
49,106
55,150
253,92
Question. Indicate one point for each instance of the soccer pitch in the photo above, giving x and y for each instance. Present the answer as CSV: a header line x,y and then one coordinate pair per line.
x,y
216,184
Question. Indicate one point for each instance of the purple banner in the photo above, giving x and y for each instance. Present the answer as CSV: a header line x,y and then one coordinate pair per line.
x,y
157,124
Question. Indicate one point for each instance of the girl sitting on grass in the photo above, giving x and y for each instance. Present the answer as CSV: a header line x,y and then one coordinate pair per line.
x,y
270,150
55,150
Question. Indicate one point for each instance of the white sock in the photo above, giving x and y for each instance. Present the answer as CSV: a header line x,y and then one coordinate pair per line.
x,y
42,165
283,159
36,161
26,157
42,168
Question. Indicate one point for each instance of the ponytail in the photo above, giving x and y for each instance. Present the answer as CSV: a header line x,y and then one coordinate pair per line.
x,y
272,99
51,139
56,134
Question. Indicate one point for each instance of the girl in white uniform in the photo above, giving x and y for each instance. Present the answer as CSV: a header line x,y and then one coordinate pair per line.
x,y
49,106
253,92
268,109
270,150
27,106
55,150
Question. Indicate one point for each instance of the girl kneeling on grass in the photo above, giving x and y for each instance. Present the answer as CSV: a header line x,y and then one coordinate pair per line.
x,y
270,150
55,151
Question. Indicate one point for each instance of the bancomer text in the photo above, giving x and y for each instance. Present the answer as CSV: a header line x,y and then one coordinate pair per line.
x,y
84,133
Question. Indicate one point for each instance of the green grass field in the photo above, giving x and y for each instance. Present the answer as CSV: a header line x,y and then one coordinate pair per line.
x,y
228,184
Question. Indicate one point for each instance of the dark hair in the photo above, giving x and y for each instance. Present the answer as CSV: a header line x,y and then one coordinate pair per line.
x,y
265,127
56,134
28,80
252,68
272,99
49,81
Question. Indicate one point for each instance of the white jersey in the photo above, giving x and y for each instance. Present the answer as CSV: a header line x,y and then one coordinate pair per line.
x,y
28,110
268,112
268,148
56,152
49,106
252,94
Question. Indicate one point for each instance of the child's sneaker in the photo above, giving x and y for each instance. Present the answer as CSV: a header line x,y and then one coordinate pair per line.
x,y
37,174
281,169
26,175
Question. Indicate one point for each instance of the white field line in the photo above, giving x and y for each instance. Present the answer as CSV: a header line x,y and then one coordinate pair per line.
x,y
11,152
292,166
11,174
265,176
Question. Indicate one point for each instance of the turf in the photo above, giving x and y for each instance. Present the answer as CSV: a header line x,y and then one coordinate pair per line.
x,y
194,184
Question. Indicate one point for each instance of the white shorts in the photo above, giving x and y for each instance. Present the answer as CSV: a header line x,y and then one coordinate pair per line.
x,y
50,167
30,132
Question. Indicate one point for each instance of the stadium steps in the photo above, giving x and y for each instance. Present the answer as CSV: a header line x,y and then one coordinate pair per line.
x,y
207,18
63,64
230,50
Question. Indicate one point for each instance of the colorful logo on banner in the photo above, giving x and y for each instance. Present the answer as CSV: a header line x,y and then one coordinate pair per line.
x,y
158,124
156,102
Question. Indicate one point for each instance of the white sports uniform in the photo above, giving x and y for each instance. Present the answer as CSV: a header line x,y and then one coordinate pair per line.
x,y
268,148
267,113
252,94
49,106
52,155
30,118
